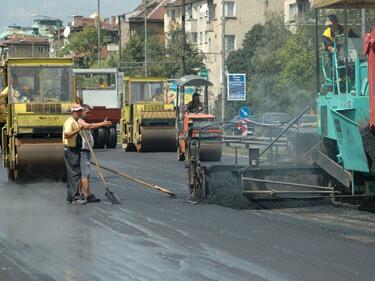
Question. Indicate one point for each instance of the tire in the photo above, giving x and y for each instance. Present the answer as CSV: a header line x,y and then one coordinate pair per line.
x,y
111,140
99,138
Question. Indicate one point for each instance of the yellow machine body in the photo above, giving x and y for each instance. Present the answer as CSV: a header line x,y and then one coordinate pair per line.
x,y
147,120
39,94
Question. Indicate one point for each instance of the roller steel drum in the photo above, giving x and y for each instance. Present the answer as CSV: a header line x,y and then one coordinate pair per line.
x,y
210,151
40,159
157,139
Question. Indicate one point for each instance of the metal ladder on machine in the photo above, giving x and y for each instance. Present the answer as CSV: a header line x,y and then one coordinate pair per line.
x,y
334,79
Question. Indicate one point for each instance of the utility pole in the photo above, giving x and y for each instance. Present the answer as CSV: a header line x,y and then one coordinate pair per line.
x,y
183,20
363,16
145,24
98,23
223,76
119,34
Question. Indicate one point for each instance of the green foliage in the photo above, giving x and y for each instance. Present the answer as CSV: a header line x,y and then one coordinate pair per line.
x,y
85,45
279,65
162,61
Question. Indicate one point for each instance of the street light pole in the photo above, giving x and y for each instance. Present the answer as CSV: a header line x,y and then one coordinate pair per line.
x,y
183,21
98,23
223,76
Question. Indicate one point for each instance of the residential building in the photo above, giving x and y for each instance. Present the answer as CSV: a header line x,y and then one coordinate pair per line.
x,y
294,11
25,46
203,27
133,22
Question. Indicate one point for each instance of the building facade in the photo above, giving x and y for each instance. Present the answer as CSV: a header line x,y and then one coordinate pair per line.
x,y
294,11
203,28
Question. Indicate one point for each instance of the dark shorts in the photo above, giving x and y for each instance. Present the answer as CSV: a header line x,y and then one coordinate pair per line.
x,y
85,164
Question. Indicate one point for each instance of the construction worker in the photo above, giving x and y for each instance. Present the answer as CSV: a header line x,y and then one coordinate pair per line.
x,y
72,151
195,104
86,154
333,29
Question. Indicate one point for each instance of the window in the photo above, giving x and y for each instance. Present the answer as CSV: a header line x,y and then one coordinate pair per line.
x,y
230,43
40,49
211,10
293,10
98,81
146,91
229,9
173,14
200,37
39,84
194,37
206,37
189,12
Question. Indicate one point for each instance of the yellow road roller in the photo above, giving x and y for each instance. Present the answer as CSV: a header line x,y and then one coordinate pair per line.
x,y
39,92
3,97
147,119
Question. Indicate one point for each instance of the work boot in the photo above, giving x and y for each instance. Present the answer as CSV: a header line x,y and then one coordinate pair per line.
x,y
80,201
92,199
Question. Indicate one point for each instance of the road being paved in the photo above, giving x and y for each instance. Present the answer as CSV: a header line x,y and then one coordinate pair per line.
x,y
153,237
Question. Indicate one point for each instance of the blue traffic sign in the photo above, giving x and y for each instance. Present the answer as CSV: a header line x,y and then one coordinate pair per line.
x,y
245,112
236,87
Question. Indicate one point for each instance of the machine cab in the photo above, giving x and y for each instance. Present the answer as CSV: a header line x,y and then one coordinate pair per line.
x,y
145,90
99,87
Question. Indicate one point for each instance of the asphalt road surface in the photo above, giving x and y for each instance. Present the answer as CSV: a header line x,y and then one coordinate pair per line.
x,y
153,237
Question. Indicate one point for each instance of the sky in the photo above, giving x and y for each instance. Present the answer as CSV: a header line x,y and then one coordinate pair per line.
x,y
20,12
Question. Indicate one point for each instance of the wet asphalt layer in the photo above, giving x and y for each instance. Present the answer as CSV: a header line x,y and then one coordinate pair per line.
x,y
153,237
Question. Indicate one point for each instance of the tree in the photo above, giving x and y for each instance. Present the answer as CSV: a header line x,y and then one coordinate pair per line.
x,y
163,60
84,44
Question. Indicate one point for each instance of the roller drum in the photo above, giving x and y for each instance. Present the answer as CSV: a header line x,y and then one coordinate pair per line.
x,y
210,151
40,160
158,139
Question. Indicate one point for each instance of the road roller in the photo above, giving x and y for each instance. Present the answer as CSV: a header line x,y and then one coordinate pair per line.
x,y
2,101
39,94
147,120
196,124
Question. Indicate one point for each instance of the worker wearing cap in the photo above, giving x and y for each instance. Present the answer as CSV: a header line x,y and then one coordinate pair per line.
x,y
195,105
86,153
333,28
72,149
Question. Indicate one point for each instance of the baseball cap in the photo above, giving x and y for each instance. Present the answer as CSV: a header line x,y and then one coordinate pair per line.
x,y
76,107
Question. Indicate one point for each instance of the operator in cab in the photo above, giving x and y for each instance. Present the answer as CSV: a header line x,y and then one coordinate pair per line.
x,y
102,83
333,29
195,105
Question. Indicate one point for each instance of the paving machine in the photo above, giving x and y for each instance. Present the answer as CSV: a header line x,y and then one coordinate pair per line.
x,y
38,99
195,125
147,120
342,165
101,89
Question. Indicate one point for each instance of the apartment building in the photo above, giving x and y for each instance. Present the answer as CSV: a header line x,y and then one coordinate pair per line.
x,y
294,11
203,27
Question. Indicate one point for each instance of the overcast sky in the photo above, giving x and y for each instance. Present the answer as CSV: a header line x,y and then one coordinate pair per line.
x,y
20,12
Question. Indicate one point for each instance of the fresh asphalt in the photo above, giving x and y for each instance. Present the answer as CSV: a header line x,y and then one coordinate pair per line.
x,y
153,237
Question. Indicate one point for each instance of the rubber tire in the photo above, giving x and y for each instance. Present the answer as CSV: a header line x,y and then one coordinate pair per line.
x,y
99,138
111,140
